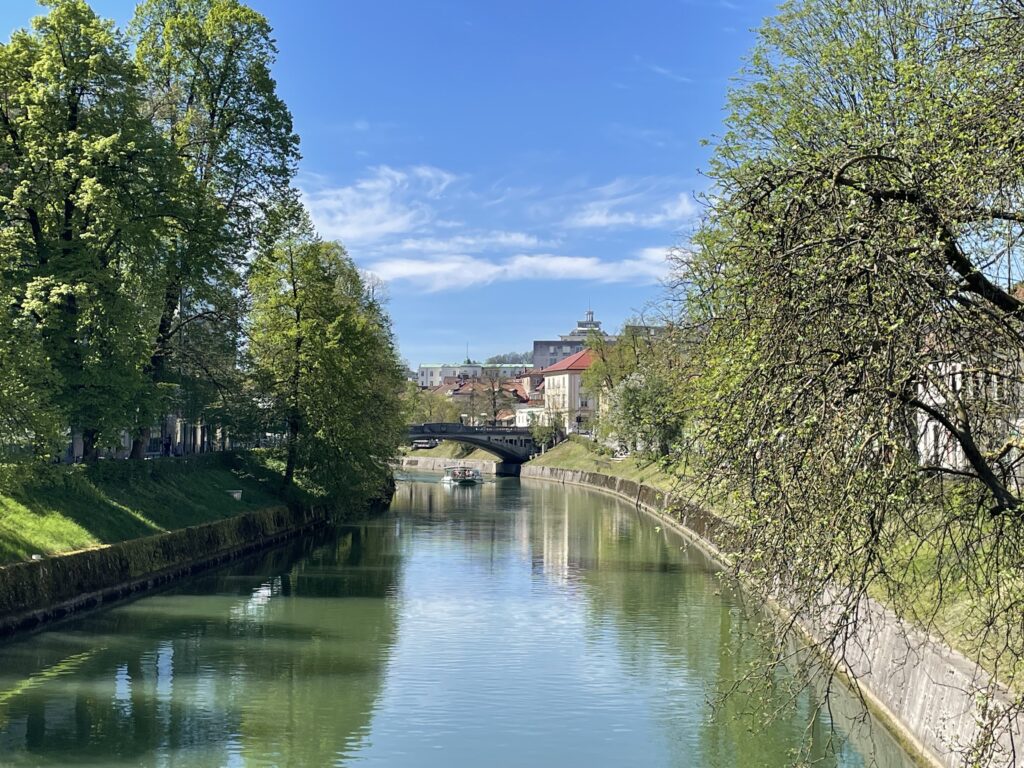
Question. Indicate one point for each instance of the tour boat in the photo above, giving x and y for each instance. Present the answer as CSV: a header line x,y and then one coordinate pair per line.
x,y
462,476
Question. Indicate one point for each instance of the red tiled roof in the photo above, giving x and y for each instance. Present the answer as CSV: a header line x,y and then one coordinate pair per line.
x,y
578,362
517,390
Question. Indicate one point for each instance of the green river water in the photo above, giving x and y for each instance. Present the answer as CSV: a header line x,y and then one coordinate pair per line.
x,y
509,624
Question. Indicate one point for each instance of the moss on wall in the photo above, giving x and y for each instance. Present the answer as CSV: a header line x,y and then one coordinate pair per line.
x,y
33,592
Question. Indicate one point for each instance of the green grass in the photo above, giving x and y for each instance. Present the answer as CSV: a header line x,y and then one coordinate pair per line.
x,y
449,449
575,454
53,509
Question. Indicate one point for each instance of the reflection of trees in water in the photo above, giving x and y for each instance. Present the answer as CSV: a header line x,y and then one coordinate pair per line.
x,y
235,662
685,628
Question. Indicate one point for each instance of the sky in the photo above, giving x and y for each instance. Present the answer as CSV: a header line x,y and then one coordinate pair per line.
x,y
502,166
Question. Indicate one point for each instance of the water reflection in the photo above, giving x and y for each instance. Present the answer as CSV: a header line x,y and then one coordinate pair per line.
x,y
506,624
274,660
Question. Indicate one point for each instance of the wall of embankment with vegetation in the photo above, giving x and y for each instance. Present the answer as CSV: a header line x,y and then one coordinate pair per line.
x,y
35,592
211,529
927,694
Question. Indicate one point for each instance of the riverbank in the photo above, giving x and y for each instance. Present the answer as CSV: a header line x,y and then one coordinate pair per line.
x,y
449,449
94,534
53,509
927,694
576,453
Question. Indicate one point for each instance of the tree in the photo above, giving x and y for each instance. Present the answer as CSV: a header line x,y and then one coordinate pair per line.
x,y
544,435
510,358
427,407
496,395
633,377
207,65
849,295
322,347
86,185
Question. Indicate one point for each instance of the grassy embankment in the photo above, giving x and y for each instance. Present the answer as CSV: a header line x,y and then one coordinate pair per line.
x,y
449,449
53,509
578,454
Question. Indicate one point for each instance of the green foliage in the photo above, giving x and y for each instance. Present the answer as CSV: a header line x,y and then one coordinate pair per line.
x,y
87,184
525,358
849,294
635,378
324,354
135,190
578,453
425,407
206,66
543,434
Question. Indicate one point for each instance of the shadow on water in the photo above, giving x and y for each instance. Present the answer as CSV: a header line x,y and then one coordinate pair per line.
x,y
280,654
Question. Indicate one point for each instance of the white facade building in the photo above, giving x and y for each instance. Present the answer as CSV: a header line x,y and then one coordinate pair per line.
x,y
566,405
432,375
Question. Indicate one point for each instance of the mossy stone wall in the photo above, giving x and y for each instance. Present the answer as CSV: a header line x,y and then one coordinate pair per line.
x,y
39,591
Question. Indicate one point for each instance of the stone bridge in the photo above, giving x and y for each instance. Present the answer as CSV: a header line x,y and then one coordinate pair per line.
x,y
512,444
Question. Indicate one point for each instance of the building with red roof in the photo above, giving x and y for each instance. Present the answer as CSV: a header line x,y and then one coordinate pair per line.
x,y
566,405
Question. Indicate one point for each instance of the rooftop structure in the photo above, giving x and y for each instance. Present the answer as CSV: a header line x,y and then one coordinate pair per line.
x,y
547,352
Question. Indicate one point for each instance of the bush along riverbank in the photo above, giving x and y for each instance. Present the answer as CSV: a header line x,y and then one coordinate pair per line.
x,y
77,537
926,693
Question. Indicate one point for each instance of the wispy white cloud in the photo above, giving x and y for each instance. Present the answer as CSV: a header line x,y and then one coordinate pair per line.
x,y
632,210
399,225
477,241
384,203
458,271
654,137
661,71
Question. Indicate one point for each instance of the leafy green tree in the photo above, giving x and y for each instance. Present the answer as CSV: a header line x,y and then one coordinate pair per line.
x,y
86,184
634,377
544,435
525,358
322,346
427,407
207,66
854,344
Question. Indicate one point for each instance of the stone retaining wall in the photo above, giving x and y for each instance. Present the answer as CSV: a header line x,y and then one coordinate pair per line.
x,y
926,693
436,464
35,592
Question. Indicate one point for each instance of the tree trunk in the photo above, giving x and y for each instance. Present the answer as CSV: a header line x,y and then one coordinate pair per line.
x,y
90,451
140,441
293,447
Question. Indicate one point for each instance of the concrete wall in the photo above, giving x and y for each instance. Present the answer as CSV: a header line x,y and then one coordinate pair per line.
x,y
35,592
435,464
928,695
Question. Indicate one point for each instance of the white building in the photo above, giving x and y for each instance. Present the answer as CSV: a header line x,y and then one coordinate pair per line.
x,y
527,415
566,405
431,375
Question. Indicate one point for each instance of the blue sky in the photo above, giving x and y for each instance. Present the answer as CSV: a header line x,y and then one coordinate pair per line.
x,y
501,165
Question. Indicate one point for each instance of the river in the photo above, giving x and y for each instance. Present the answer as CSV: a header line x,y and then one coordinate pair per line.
x,y
509,624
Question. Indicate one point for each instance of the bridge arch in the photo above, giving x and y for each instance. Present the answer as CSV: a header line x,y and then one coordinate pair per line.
x,y
512,444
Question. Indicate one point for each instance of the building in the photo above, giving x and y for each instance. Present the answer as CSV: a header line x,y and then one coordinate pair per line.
x,y
566,405
548,352
503,371
430,375
530,413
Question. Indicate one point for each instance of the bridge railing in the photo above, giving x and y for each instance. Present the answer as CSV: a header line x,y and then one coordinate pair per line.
x,y
464,429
